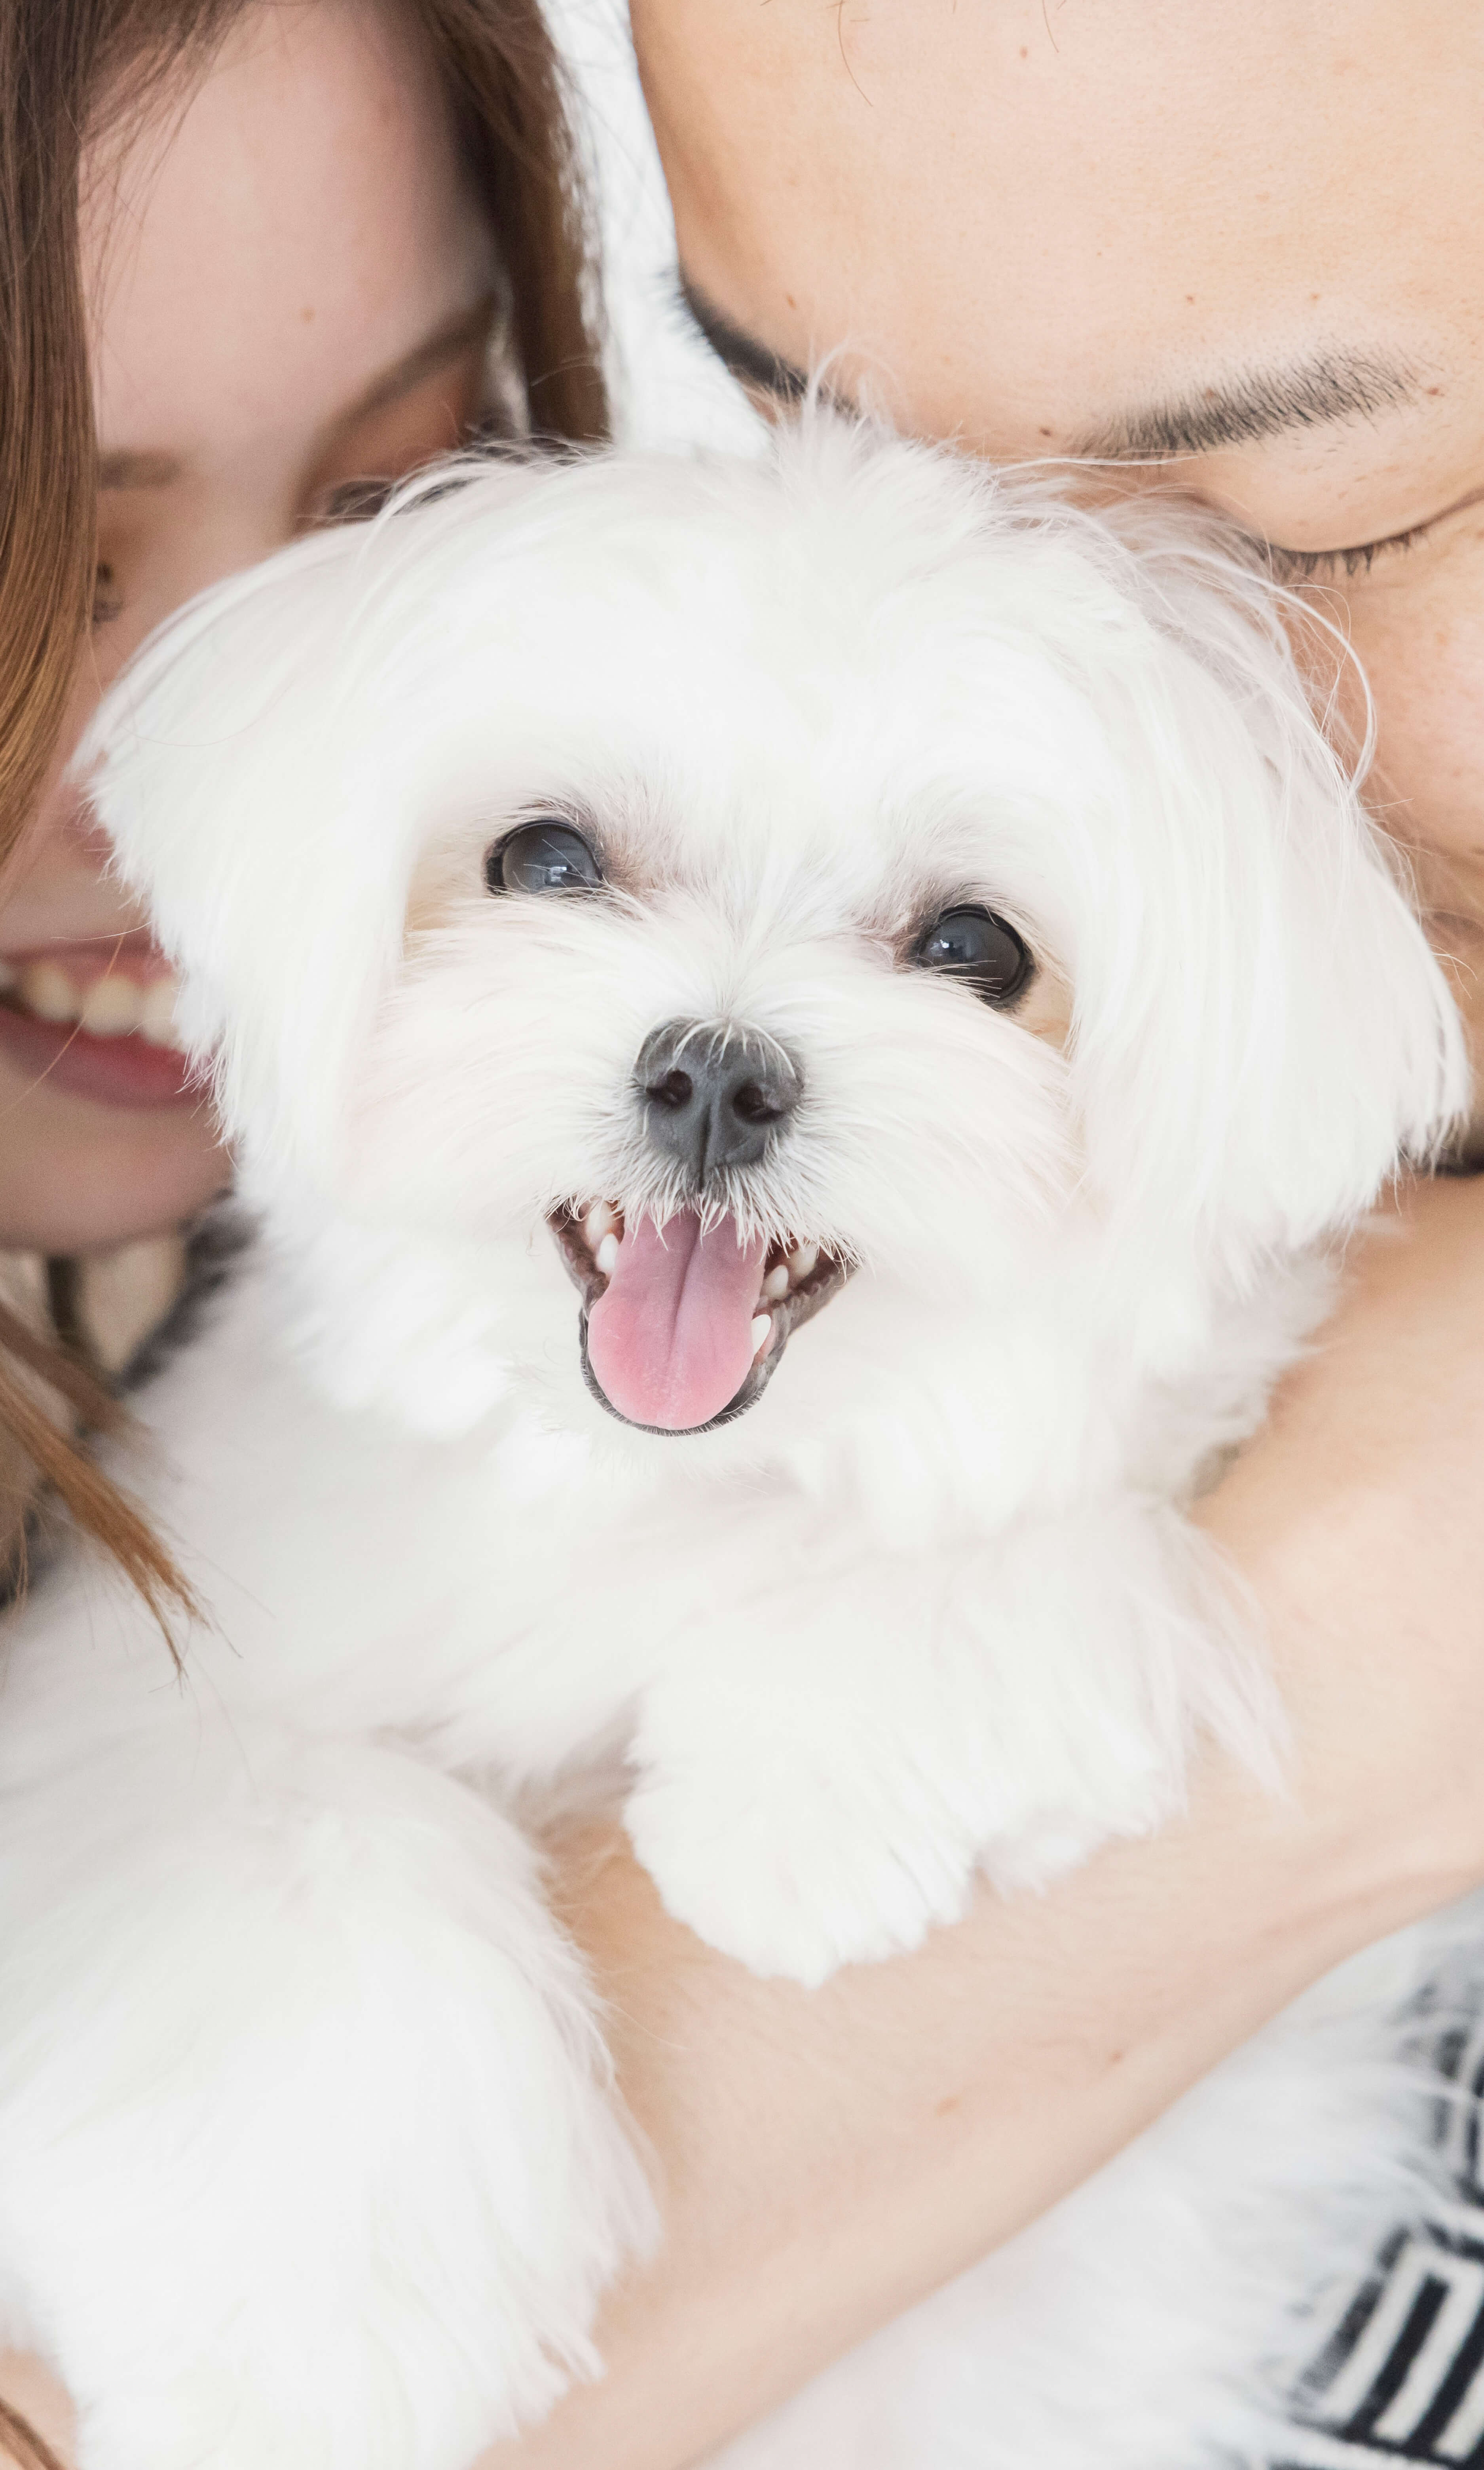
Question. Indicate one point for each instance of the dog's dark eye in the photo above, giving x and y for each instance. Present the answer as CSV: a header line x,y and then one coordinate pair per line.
x,y
545,856
983,950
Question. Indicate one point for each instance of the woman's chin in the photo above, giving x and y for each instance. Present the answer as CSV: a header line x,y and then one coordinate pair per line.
x,y
80,1175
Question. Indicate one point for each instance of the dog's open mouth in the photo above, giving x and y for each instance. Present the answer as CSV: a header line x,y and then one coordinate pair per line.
x,y
683,1326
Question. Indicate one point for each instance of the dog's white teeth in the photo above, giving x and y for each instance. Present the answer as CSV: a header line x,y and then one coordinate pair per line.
x,y
606,1255
789,1272
762,1330
600,1220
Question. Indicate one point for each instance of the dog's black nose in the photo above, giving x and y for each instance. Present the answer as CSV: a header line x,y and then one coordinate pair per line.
x,y
713,1096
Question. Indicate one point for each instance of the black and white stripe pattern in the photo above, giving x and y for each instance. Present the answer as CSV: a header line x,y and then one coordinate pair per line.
x,y
1399,2376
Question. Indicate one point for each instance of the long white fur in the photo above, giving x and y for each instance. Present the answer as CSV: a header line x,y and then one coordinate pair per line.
x,y
308,2154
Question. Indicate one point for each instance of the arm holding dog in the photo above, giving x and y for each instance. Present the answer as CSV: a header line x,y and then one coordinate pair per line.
x,y
810,2195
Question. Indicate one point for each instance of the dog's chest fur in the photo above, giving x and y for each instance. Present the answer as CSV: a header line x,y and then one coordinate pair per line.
x,y
505,1595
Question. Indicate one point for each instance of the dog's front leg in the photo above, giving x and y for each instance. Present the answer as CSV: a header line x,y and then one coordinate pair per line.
x,y
829,1763
796,1826
307,2155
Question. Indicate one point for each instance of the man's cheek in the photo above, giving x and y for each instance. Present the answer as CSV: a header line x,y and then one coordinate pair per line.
x,y
1418,631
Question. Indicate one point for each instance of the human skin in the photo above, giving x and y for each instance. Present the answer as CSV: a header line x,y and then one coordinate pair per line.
x,y
825,2158
288,289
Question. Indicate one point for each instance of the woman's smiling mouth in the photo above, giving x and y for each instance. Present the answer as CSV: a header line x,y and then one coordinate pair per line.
x,y
96,1019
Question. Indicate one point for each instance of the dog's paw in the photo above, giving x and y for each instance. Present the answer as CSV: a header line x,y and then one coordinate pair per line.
x,y
792,1875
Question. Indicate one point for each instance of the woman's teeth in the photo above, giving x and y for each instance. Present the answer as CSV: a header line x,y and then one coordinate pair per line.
x,y
115,1006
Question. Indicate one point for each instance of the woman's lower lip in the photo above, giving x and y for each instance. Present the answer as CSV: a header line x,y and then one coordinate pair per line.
x,y
110,1071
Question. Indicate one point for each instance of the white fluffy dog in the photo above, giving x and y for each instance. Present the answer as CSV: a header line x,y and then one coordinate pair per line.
x,y
798,1033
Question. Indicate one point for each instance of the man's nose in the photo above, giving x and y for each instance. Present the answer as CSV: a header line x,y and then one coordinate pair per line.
x,y
713,1096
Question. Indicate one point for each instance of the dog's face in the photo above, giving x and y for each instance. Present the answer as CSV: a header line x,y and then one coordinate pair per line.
x,y
763,924
736,1002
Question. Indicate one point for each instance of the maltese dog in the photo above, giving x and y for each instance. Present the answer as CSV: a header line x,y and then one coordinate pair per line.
x,y
800,1039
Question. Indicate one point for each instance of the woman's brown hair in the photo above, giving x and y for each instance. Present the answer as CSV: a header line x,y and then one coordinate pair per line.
x,y
64,64
23,2446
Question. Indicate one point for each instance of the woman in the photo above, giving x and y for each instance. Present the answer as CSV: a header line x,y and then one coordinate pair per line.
x,y
317,246
828,2158
303,250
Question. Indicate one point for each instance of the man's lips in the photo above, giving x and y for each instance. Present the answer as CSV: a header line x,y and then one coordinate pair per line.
x,y
95,1020
683,1328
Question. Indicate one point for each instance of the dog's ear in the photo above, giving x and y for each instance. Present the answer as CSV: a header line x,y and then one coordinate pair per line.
x,y
238,768
207,765
1262,1032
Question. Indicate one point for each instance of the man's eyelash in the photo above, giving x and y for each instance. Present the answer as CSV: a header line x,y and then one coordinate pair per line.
x,y
1328,564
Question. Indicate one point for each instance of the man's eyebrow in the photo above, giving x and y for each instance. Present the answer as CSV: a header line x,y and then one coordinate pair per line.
x,y
749,361
1255,404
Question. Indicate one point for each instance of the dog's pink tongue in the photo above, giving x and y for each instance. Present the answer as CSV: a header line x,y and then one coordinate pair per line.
x,y
670,1338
